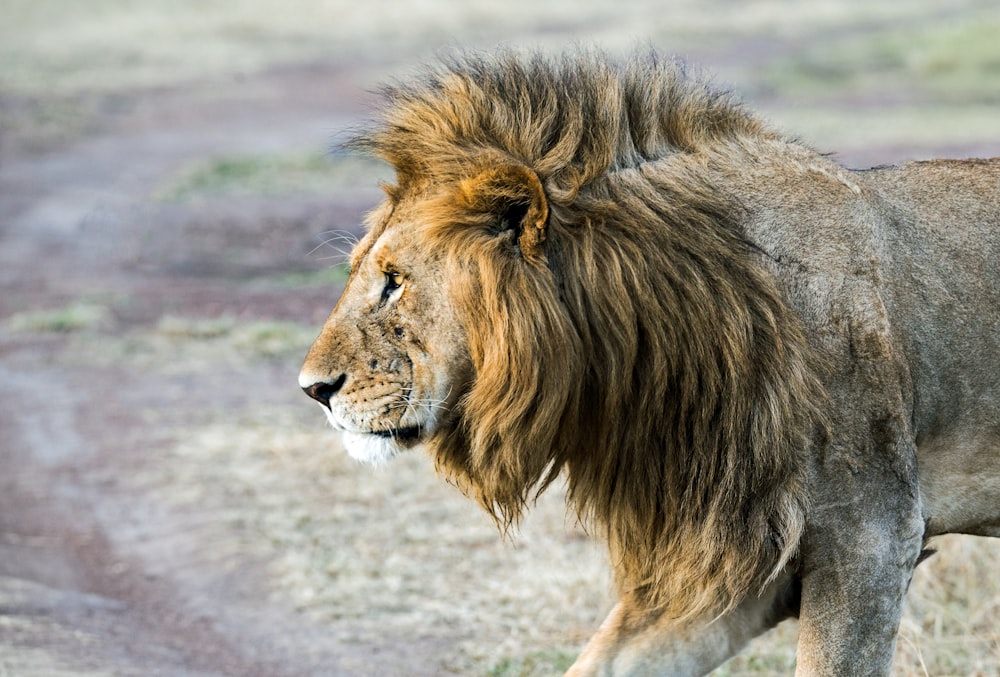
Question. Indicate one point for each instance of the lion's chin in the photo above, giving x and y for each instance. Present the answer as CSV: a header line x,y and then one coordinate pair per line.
x,y
373,448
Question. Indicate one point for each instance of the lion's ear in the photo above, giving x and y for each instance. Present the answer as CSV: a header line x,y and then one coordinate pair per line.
x,y
514,194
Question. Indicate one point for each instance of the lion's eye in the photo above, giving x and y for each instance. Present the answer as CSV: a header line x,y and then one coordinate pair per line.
x,y
393,281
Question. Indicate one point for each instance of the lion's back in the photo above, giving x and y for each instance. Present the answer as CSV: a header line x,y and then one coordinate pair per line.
x,y
942,243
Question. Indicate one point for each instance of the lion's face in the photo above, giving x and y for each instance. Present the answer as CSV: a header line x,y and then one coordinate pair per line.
x,y
394,358
388,364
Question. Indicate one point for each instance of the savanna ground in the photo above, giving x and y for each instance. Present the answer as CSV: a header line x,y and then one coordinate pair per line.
x,y
171,236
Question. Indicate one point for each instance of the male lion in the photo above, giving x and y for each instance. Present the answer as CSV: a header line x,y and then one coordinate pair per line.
x,y
767,379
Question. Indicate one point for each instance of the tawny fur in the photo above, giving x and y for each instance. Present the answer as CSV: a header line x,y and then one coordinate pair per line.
x,y
644,352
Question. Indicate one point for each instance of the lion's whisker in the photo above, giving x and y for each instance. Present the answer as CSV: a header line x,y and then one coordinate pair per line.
x,y
345,238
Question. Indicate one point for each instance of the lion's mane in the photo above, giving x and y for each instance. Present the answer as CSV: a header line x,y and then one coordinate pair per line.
x,y
646,353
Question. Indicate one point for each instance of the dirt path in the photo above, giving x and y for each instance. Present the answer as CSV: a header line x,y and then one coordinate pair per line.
x,y
97,577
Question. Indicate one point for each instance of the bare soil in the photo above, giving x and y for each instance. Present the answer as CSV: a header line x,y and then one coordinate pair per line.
x,y
95,576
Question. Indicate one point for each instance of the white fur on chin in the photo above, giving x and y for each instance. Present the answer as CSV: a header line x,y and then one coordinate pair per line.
x,y
370,449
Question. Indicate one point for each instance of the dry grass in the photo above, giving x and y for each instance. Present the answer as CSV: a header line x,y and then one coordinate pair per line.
x,y
397,548
952,625
394,551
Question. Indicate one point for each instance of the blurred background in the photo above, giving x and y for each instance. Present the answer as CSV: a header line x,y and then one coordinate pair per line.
x,y
172,233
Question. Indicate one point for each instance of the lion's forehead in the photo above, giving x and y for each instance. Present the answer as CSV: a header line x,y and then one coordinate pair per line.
x,y
387,245
404,245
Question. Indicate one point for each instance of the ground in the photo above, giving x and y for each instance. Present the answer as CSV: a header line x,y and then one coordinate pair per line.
x,y
171,231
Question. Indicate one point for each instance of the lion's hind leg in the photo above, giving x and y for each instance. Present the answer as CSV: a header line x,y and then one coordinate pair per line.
x,y
634,641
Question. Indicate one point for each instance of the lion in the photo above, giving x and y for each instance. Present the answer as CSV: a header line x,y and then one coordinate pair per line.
x,y
768,380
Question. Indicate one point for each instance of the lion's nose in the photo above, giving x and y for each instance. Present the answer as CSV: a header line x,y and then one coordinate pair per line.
x,y
322,391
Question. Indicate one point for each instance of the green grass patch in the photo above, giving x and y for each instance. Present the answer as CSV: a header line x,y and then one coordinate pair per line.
x,y
198,329
265,338
244,175
74,317
956,61
536,664
274,339
191,345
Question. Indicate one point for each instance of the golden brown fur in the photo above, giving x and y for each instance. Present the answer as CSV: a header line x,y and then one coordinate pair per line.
x,y
650,358
732,347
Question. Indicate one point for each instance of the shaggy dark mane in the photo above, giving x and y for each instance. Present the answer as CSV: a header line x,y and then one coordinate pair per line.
x,y
571,120
647,352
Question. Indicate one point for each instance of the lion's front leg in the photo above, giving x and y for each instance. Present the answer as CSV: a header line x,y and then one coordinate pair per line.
x,y
856,563
633,641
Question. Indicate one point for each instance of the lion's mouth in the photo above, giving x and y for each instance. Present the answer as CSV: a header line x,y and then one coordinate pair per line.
x,y
405,435
378,446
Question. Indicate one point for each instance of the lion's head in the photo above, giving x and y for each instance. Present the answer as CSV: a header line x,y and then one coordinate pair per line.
x,y
550,288
392,359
